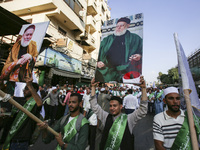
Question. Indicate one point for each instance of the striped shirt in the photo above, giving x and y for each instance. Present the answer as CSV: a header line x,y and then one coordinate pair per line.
x,y
166,128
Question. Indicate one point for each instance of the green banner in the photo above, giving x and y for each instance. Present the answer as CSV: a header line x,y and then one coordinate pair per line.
x,y
135,93
19,120
160,94
70,130
116,133
151,95
183,140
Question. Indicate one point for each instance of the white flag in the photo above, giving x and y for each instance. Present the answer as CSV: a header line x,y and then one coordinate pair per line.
x,y
187,79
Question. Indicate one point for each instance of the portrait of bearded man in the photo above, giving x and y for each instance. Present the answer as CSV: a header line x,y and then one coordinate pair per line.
x,y
22,57
119,53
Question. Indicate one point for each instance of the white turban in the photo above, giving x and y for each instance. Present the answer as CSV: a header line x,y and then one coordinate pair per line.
x,y
170,90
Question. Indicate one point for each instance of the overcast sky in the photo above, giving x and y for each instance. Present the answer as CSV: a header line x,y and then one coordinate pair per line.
x,y
162,18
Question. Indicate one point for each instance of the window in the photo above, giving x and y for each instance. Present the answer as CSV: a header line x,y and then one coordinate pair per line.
x,y
102,9
75,6
62,31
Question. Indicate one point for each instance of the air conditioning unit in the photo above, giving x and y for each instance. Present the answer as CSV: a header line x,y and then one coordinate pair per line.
x,y
61,42
86,56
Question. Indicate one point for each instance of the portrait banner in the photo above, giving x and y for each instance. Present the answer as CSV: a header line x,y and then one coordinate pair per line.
x,y
120,52
24,52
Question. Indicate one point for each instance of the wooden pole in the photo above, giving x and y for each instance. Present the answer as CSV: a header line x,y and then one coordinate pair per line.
x,y
28,113
193,135
185,84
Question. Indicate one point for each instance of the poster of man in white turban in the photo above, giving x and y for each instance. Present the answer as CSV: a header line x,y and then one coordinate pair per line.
x,y
24,52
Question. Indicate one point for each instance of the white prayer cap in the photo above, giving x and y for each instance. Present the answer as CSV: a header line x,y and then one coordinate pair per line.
x,y
61,91
53,88
170,90
103,89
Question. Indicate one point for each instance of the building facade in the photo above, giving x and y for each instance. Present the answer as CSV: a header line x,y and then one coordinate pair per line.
x,y
74,32
194,63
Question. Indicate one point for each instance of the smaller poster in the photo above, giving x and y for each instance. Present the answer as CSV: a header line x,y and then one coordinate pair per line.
x,y
120,53
24,52
61,61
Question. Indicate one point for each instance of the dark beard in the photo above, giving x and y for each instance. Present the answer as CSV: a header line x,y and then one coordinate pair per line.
x,y
174,110
27,96
75,109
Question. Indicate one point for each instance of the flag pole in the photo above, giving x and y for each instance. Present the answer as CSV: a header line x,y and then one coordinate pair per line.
x,y
28,113
193,135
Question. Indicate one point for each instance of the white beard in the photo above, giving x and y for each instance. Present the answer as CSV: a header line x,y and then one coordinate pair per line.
x,y
23,43
120,33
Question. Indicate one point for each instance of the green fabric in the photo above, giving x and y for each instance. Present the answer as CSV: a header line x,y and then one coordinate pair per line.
x,y
151,95
133,46
116,133
69,132
41,79
120,93
81,144
19,120
114,93
135,93
160,94
183,140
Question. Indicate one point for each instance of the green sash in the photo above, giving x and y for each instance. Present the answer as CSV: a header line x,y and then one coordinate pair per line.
x,y
159,94
182,140
135,93
70,130
114,93
116,133
151,95
19,120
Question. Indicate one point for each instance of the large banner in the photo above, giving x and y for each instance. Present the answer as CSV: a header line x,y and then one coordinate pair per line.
x,y
120,53
24,52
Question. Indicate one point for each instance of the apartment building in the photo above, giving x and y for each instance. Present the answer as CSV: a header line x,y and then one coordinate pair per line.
x,y
74,31
194,63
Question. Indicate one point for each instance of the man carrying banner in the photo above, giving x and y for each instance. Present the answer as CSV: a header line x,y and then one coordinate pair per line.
x,y
118,127
73,128
22,127
119,53
21,58
170,128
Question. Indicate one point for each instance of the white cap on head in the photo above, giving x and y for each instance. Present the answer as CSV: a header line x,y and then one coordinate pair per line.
x,y
170,90
61,91
103,89
53,88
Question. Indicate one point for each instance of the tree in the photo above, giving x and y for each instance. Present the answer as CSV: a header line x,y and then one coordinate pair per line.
x,y
165,79
159,76
171,78
173,75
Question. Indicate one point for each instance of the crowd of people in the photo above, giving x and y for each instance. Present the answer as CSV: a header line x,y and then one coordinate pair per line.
x,y
97,117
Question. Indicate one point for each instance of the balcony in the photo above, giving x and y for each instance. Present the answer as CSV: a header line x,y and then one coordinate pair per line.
x,y
58,9
92,8
90,24
88,42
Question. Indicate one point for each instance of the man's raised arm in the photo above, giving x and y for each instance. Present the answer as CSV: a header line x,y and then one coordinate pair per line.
x,y
101,114
142,110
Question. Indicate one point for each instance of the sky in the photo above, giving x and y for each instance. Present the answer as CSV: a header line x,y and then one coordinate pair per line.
x,y
162,18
